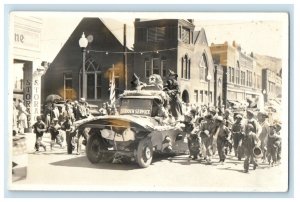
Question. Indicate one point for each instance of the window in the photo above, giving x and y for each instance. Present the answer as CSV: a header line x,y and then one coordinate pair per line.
x,y
147,68
229,74
185,35
185,67
237,74
164,67
156,67
141,34
93,80
68,86
242,78
196,95
232,75
201,95
171,33
203,67
156,34
250,79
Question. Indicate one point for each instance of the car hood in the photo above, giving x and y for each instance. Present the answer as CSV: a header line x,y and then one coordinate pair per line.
x,y
143,123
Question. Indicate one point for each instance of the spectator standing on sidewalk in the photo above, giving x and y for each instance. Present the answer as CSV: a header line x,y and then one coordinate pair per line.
x,y
66,126
39,128
82,113
22,118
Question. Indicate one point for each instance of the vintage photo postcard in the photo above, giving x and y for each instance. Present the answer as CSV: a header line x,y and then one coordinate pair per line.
x,y
190,102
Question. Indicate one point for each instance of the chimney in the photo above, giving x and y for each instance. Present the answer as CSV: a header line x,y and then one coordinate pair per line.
x,y
191,20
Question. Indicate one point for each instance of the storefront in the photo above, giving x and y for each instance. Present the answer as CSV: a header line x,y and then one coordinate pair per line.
x,y
25,63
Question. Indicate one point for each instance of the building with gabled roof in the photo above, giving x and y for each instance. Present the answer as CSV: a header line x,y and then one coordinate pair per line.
x,y
104,51
173,44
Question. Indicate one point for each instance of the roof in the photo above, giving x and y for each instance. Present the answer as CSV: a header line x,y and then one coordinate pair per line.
x,y
117,29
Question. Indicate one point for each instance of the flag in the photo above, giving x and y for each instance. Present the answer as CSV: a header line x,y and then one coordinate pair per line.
x,y
112,95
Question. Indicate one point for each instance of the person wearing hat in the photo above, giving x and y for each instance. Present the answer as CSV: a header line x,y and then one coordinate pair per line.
x,y
39,128
264,133
238,130
54,131
251,120
66,126
250,141
223,135
206,128
273,144
82,111
278,141
173,92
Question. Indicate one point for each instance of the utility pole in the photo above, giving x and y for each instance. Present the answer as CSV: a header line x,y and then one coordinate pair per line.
x,y
125,58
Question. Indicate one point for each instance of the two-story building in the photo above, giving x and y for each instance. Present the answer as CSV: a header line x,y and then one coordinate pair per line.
x,y
241,75
173,44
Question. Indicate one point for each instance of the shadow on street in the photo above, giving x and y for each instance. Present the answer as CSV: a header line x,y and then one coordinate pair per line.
x,y
82,161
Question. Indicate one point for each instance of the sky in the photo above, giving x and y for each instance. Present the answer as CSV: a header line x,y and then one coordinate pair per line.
x,y
261,33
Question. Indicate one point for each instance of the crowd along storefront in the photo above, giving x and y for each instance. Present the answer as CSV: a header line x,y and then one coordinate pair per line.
x,y
25,62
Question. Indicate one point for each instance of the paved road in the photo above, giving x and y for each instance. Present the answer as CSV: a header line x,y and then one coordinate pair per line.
x,y
58,170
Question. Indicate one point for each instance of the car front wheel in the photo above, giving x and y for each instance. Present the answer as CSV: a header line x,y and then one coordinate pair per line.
x,y
93,148
144,153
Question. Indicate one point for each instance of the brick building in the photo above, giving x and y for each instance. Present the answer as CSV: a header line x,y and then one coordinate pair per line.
x,y
174,44
241,76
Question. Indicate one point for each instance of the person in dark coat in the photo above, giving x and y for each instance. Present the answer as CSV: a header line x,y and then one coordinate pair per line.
x,y
173,91
238,131
273,145
250,141
39,128
54,131
66,126
223,135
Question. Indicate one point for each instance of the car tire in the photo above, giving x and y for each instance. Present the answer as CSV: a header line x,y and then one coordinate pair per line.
x,y
93,148
144,153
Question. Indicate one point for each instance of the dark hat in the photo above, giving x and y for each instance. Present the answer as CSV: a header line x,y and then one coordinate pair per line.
x,y
208,116
250,127
171,73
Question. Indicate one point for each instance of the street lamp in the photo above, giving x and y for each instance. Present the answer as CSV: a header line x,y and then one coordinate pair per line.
x,y
83,42
208,90
265,96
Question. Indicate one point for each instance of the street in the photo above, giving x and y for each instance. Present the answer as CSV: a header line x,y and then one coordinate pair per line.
x,y
59,171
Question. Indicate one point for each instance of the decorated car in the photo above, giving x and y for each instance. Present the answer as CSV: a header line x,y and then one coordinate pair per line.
x,y
138,131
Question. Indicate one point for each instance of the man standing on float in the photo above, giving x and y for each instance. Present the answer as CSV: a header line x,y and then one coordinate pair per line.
x,y
173,91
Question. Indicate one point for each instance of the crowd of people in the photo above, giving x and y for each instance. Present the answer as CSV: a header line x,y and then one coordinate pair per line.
x,y
247,133
210,130
58,119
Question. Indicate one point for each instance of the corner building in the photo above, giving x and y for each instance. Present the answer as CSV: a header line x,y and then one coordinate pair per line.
x,y
173,44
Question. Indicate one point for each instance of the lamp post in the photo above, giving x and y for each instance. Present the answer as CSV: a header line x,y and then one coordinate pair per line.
x,y
208,90
264,93
83,42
